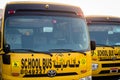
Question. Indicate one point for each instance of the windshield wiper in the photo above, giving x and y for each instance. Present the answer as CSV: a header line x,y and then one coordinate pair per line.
x,y
115,45
105,45
66,50
32,51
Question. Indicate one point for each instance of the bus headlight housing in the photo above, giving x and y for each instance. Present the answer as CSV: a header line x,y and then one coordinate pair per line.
x,y
86,78
94,66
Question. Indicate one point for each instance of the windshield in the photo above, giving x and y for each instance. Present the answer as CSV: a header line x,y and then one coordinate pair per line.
x,y
43,33
105,34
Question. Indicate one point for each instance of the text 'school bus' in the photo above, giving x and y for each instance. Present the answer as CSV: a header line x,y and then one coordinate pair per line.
x,y
105,30
45,41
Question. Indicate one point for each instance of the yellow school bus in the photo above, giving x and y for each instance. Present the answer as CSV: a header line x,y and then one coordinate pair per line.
x,y
105,30
45,41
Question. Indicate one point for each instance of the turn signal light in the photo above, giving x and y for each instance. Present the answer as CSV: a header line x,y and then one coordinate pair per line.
x,y
83,71
94,59
15,74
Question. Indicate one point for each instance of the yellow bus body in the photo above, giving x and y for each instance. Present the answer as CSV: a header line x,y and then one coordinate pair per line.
x,y
106,56
25,64
11,72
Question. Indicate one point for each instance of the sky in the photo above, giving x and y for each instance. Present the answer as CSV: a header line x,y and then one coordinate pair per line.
x,y
89,7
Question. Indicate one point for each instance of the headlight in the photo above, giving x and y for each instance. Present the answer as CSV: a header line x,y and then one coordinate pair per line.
x,y
94,66
86,78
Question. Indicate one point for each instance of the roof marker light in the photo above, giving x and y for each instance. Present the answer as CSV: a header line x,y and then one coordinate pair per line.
x,y
108,18
80,14
46,6
89,22
11,12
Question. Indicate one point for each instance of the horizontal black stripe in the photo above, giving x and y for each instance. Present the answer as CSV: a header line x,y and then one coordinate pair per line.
x,y
46,75
111,65
107,71
109,59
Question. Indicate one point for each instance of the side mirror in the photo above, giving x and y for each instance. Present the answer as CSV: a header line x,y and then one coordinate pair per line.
x,y
6,48
93,45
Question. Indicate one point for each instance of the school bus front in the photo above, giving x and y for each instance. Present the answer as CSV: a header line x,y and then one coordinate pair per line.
x,y
106,58
45,41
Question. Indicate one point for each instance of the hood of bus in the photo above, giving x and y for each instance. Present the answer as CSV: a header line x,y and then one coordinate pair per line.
x,y
43,65
104,54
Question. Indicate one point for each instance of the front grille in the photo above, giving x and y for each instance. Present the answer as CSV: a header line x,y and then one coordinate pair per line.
x,y
108,71
46,75
104,72
111,65
109,59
